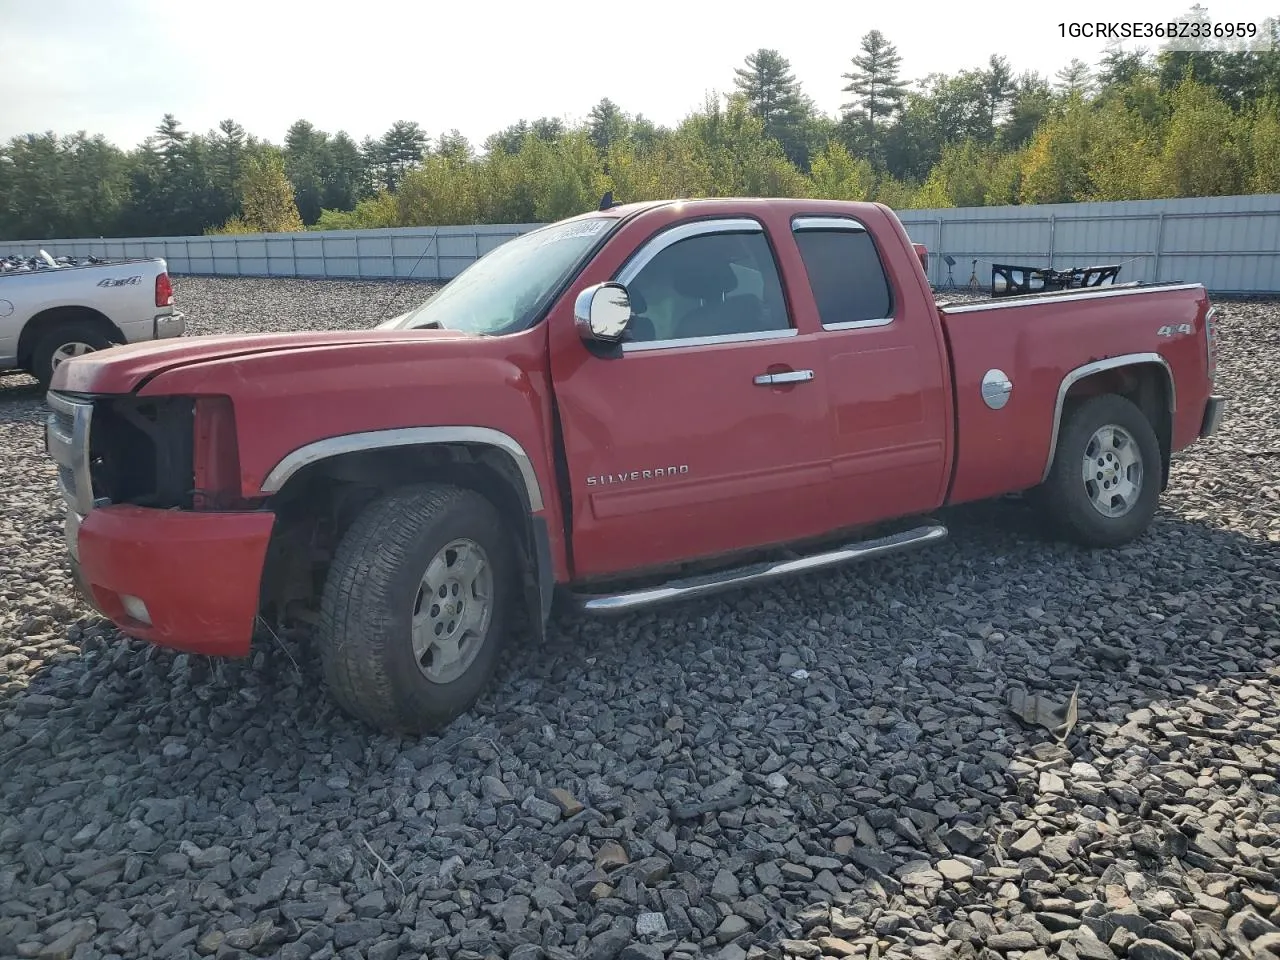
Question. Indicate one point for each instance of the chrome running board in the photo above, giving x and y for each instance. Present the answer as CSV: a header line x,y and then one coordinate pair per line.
x,y
707,584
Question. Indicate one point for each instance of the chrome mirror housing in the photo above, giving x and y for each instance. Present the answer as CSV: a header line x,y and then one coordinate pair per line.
x,y
601,312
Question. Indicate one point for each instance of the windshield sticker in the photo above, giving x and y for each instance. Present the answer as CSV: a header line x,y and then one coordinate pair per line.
x,y
588,228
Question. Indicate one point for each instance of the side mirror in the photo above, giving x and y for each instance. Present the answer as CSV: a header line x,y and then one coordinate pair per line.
x,y
602,312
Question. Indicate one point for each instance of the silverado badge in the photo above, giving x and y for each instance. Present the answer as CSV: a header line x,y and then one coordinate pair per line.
x,y
637,475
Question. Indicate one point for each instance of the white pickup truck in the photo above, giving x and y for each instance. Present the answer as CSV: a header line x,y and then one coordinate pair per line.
x,y
50,312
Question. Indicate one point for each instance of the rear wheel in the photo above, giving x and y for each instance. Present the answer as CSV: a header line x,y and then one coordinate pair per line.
x,y
415,608
1105,482
62,342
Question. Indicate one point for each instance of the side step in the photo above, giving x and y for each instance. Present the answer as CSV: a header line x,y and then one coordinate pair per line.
x,y
707,584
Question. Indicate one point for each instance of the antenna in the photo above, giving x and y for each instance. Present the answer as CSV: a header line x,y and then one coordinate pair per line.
x,y
402,286
607,200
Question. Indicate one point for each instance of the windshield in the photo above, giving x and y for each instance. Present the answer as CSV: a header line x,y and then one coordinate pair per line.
x,y
506,289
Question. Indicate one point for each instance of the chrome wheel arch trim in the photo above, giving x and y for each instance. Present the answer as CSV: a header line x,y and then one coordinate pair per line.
x,y
1088,370
405,437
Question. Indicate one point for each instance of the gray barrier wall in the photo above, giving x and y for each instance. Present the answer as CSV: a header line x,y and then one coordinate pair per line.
x,y
423,253
1231,244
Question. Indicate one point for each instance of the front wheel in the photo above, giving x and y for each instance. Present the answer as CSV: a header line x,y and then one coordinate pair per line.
x,y
415,608
1104,485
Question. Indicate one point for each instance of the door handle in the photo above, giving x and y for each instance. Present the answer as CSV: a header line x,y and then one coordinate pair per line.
x,y
790,376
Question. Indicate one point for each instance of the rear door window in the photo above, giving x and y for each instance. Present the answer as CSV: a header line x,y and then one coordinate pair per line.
x,y
845,273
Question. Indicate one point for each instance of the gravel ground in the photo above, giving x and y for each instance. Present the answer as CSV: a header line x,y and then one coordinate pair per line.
x,y
824,768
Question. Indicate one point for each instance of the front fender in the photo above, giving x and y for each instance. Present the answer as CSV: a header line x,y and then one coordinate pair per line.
x,y
298,406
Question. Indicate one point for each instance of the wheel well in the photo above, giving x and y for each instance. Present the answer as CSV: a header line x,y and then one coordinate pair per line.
x,y
46,320
318,503
1147,386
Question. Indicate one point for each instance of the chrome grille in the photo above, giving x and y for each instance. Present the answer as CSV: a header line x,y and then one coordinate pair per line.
x,y
67,440
66,482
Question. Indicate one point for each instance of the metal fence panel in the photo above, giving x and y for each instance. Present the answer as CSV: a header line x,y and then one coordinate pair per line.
x,y
1231,244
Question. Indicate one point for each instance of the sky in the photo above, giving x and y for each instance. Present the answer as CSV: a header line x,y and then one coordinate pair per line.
x,y
116,66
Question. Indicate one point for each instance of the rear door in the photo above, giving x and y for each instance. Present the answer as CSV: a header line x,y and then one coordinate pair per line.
x,y
885,375
708,434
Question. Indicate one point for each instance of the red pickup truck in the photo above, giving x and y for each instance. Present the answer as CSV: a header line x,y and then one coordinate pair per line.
x,y
642,404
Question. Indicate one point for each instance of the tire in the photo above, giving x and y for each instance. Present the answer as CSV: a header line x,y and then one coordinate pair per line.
x,y
1075,507
67,335
372,595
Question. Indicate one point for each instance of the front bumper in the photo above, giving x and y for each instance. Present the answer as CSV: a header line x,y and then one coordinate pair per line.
x,y
1214,408
170,325
189,580
185,580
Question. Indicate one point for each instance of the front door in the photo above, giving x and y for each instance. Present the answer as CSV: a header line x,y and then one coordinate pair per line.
x,y
709,433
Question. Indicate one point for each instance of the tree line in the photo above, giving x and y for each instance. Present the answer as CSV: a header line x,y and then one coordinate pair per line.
x,y
1135,125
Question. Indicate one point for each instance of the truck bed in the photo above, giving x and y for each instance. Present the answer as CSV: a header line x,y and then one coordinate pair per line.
x,y
946,298
68,268
1040,342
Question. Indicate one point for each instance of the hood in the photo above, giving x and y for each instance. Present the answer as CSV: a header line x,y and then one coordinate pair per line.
x,y
124,368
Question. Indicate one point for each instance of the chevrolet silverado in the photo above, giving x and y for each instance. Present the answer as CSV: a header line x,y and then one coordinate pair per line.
x,y
646,403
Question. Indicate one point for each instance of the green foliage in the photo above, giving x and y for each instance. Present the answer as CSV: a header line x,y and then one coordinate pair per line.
x,y
370,213
1135,125
1123,155
970,174
897,194
1262,128
58,187
1202,151
1055,168
266,198
838,175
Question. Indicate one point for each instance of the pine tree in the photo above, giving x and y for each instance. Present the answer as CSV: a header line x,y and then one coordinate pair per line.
x,y
999,89
774,95
1118,67
172,139
454,147
305,162
1075,77
878,91
607,125
1029,105
348,173
401,149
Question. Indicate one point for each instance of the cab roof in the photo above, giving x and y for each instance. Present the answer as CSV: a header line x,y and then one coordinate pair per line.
x,y
797,204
